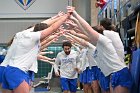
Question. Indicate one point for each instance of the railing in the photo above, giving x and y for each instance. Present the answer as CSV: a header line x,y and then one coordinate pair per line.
x,y
116,14
120,18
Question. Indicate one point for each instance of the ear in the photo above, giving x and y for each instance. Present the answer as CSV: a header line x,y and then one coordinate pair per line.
x,y
102,27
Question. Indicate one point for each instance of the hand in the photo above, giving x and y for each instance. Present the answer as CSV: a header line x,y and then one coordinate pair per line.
x,y
55,39
39,57
96,5
78,70
53,59
57,74
50,52
70,9
72,32
61,13
71,25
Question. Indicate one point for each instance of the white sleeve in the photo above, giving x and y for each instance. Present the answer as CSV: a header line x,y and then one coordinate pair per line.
x,y
8,55
91,46
78,62
35,36
83,60
56,65
77,48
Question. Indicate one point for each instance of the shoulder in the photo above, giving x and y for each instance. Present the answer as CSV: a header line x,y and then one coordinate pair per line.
x,y
60,53
73,52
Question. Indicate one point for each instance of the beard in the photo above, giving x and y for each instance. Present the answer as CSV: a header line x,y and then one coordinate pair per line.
x,y
67,53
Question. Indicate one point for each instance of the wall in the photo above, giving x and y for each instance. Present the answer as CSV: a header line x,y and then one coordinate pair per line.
x,y
40,8
13,18
94,13
83,8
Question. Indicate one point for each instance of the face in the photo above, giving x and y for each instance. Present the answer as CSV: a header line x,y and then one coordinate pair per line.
x,y
67,50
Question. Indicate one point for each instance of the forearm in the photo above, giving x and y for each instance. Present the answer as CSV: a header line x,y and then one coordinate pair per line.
x,y
51,20
80,27
77,48
80,35
47,61
53,27
46,45
92,33
81,41
46,40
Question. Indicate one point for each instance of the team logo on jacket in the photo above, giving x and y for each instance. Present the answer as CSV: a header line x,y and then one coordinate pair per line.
x,y
25,4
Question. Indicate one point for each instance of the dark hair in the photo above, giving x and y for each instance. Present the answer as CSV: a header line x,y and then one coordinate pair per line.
x,y
98,29
66,43
106,23
40,26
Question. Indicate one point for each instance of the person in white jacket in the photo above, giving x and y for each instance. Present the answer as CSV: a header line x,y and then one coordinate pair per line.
x,y
69,61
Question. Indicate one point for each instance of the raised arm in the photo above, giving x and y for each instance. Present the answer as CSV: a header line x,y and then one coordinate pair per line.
x,y
81,41
53,19
93,35
44,60
46,40
81,29
54,27
47,44
80,35
77,48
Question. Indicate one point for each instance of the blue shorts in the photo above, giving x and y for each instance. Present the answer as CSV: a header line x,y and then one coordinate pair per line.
x,y
31,75
2,58
68,84
1,72
122,77
13,77
94,73
85,76
104,81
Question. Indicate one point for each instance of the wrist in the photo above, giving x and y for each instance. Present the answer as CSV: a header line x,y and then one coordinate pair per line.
x,y
74,13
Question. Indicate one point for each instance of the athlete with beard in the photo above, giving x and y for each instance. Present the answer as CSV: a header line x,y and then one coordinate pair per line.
x,y
69,66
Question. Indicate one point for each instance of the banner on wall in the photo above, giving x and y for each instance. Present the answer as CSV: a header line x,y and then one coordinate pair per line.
x,y
25,4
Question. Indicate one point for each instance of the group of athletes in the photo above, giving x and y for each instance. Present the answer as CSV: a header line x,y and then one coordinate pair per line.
x,y
98,58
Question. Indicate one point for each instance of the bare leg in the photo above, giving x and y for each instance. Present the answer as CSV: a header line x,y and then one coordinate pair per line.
x,y
95,86
85,88
90,89
111,88
120,89
5,90
66,91
22,88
